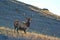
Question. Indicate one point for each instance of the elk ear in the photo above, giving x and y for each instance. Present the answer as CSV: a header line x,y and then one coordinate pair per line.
x,y
27,18
30,18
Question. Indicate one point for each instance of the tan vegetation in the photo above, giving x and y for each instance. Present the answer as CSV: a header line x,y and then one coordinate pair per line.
x,y
28,35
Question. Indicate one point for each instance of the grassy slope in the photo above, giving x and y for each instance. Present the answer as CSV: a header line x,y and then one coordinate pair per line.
x,y
28,34
47,13
32,36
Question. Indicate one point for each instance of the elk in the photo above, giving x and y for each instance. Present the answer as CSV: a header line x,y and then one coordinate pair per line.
x,y
22,26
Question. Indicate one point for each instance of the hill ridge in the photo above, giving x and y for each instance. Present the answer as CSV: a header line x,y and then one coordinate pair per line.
x,y
44,12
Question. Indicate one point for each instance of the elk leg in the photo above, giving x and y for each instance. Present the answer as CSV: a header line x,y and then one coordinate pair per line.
x,y
14,29
17,30
24,31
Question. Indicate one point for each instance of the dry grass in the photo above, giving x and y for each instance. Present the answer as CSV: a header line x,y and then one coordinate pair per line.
x,y
28,35
47,13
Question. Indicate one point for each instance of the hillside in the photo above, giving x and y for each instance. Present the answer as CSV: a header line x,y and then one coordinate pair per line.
x,y
42,22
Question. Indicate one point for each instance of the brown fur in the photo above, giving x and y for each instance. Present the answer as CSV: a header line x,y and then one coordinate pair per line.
x,y
22,26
